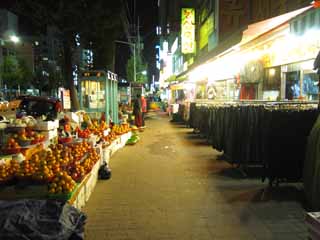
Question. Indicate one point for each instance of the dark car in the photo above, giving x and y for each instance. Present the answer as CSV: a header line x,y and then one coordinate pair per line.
x,y
38,106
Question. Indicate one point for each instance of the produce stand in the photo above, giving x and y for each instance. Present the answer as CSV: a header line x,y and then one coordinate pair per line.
x,y
45,169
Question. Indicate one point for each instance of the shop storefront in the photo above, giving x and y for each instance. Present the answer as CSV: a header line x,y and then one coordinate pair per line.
x,y
289,73
274,61
180,97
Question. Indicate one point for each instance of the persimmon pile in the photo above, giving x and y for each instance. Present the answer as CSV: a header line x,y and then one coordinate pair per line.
x,y
59,166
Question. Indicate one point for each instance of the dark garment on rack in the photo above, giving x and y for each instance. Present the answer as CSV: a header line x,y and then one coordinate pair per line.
x,y
267,136
311,171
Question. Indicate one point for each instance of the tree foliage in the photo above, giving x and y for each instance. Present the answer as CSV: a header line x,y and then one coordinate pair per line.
x,y
15,72
141,67
91,20
48,82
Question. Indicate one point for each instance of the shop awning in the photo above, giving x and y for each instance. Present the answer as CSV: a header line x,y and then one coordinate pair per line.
x,y
257,29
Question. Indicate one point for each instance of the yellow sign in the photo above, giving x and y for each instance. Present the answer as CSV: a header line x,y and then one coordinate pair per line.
x,y
187,30
205,30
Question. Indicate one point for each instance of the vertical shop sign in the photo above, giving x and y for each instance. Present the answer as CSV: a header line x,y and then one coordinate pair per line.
x,y
66,101
187,30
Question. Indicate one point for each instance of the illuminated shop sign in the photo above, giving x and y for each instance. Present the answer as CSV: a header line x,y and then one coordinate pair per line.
x,y
187,30
206,30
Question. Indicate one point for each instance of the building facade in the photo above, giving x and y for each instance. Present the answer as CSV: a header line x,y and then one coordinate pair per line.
x,y
242,51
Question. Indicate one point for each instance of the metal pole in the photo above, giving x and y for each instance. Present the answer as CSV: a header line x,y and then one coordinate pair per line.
x,y
134,63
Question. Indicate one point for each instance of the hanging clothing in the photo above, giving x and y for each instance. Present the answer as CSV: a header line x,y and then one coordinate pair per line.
x,y
272,137
143,104
311,171
143,110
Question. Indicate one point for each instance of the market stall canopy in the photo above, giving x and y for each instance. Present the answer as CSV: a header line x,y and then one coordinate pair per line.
x,y
257,29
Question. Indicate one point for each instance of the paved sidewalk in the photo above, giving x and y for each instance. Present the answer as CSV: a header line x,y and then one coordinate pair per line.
x,y
170,186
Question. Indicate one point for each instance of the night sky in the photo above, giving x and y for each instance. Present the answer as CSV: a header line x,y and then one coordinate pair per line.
x,y
147,11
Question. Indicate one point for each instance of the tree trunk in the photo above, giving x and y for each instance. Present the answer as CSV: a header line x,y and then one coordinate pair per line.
x,y
68,75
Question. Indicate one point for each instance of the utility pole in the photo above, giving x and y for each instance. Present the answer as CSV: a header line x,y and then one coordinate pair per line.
x,y
134,63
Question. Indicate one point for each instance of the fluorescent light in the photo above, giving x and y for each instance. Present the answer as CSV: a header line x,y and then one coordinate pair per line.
x,y
14,39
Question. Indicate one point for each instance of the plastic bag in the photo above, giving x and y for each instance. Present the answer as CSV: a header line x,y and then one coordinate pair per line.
x,y
104,172
40,220
133,140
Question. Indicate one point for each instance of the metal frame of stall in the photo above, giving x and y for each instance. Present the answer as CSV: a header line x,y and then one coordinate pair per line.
x,y
105,97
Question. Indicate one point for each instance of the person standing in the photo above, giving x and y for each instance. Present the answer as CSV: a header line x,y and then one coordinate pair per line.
x,y
143,109
137,111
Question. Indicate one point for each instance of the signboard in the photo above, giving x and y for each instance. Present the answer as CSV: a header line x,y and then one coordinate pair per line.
x,y
66,100
187,30
205,30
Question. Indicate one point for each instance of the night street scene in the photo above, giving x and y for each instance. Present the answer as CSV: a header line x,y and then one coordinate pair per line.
x,y
159,120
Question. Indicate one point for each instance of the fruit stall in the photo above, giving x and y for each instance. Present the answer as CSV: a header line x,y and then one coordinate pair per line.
x,y
56,159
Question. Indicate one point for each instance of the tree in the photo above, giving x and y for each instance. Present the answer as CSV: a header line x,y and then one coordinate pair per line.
x,y
15,72
91,21
25,74
9,71
140,69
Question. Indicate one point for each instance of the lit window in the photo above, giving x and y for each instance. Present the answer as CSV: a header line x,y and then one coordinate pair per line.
x,y
158,29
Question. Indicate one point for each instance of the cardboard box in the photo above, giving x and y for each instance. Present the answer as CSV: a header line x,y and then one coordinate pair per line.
x,y
47,125
51,134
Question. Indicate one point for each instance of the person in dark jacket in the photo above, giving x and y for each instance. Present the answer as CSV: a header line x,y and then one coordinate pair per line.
x,y
137,111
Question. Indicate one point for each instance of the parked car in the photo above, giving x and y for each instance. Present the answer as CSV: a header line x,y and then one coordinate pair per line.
x,y
38,106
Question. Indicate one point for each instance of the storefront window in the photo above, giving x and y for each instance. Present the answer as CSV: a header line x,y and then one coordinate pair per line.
x,y
201,91
272,80
221,90
233,91
292,85
310,86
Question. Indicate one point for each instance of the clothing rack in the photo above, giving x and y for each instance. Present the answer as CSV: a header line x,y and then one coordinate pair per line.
x,y
270,134
254,102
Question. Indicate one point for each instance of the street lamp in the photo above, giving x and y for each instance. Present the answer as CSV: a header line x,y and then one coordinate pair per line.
x,y
14,39
134,56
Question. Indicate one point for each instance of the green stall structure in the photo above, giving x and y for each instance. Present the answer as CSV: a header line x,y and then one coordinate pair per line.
x,y
99,94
